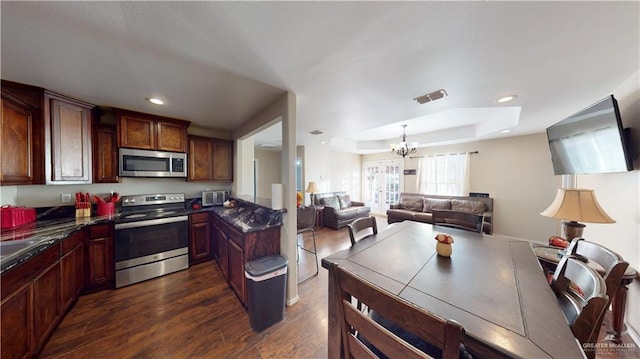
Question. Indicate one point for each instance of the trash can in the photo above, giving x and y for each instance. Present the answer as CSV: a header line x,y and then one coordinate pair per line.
x,y
267,283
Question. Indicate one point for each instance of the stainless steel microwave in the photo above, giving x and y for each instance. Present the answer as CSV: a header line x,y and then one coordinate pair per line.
x,y
145,163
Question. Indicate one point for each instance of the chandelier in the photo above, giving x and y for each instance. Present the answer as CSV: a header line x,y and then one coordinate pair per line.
x,y
402,148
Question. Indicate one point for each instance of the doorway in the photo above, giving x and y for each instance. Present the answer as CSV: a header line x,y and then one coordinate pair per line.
x,y
382,184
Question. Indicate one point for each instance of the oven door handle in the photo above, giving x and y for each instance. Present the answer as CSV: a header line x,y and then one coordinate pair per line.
x,y
151,222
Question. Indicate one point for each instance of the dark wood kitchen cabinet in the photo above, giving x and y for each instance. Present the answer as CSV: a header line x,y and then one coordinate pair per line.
x,y
149,132
236,248
21,145
71,269
99,256
222,160
200,159
210,159
30,304
67,132
199,237
105,153
46,302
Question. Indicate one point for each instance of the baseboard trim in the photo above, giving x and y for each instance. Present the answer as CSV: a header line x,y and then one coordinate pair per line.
x,y
293,301
633,334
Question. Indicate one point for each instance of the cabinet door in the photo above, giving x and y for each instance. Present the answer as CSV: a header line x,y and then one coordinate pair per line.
x,y
171,136
199,239
222,160
68,138
200,159
16,326
136,132
15,151
236,271
99,260
223,253
105,154
71,276
46,303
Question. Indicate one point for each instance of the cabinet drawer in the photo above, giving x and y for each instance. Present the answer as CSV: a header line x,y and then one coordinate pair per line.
x,y
72,241
99,231
201,217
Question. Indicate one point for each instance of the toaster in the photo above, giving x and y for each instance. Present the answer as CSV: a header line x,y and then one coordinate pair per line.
x,y
214,198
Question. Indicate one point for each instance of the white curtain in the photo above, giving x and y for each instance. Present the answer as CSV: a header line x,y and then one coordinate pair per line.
x,y
444,174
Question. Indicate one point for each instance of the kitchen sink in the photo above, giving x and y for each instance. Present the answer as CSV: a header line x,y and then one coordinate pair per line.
x,y
8,248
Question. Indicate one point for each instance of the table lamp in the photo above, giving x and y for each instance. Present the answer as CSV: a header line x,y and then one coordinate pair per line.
x,y
576,205
312,188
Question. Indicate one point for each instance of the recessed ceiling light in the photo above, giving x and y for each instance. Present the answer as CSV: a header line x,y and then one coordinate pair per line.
x,y
323,142
155,101
316,132
506,131
506,98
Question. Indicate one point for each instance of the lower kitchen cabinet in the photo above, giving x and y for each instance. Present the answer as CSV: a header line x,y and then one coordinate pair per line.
x,y
199,238
100,267
17,324
46,303
234,248
71,269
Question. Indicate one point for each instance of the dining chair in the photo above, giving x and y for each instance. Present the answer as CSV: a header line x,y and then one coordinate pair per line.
x,y
582,296
361,224
306,221
364,338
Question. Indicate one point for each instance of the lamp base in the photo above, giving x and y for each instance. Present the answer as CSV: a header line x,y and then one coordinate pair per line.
x,y
572,230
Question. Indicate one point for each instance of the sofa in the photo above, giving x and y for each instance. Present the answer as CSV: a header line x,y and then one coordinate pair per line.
x,y
339,209
471,213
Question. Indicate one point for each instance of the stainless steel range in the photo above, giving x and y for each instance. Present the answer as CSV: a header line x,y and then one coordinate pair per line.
x,y
151,237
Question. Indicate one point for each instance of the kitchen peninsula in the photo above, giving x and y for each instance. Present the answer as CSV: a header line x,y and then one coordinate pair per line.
x,y
240,234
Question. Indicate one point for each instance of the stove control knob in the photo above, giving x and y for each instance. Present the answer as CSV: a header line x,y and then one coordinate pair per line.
x,y
133,200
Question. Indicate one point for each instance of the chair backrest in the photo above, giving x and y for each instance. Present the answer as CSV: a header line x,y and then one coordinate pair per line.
x,y
361,224
612,264
582,295
444,334
306,218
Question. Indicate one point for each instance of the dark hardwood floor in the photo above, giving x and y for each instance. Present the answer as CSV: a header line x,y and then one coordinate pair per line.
x,y
193,314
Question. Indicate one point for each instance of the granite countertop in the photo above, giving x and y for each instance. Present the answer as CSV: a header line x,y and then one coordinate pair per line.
x,y
249,218
22,243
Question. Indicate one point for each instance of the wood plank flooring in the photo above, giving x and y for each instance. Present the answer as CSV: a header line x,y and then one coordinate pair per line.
x,y
193,314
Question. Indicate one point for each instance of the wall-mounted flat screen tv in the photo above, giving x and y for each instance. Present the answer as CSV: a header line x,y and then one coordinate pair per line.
x,y
590,141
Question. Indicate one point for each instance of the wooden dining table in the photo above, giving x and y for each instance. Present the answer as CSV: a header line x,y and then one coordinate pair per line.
x,y
494,287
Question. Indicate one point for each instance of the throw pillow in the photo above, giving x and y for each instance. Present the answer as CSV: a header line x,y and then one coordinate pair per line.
x,y
331,201
345,201
468,206
436,203
412,203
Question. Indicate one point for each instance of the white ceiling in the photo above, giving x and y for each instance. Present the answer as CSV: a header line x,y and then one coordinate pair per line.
x,y
355,67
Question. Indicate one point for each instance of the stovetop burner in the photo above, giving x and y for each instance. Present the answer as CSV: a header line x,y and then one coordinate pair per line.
x,y
151,206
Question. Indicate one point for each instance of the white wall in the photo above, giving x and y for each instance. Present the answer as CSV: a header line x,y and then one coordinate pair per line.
x,y
515,171
619,196
269,165
332,171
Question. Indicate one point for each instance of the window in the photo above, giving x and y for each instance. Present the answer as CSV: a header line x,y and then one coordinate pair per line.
x,y
444,174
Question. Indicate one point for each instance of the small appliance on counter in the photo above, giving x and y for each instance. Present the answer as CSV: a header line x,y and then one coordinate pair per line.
x,y
12,216
214,198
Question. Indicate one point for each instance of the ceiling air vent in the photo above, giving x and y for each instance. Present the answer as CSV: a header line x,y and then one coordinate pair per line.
x,y
435,95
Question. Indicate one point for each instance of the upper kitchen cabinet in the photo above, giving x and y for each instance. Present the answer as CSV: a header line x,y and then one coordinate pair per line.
x,y
148,132
222,160
67,131
210,159
105,153
21,148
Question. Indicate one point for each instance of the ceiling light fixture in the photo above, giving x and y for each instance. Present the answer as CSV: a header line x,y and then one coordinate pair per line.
x,y
316,132
435,95
155,101
506,131
402,148
506,98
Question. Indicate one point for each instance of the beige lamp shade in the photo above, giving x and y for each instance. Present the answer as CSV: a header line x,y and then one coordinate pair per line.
x,y
312,188
575,204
